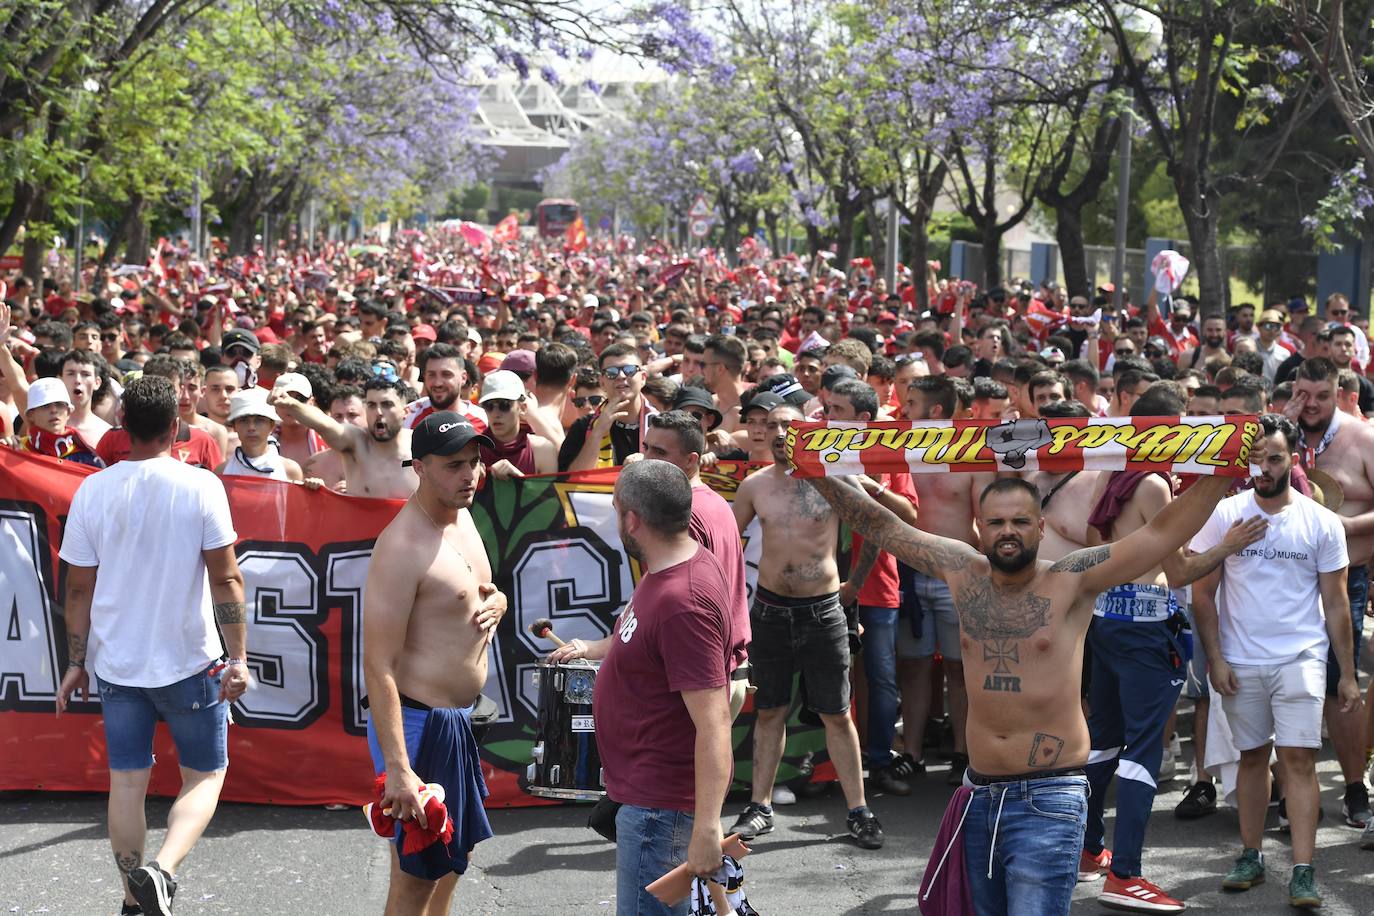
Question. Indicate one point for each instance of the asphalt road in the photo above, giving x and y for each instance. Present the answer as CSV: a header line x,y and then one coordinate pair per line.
x,y
272,860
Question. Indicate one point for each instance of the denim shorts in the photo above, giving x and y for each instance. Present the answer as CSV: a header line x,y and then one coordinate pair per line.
x,y
650,842
192,709
1357,587
811,639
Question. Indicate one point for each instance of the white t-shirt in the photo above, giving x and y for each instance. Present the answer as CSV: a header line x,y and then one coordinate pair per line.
x,y
1269,601
145,523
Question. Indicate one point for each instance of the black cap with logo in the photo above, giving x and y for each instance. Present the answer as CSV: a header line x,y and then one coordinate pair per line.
x,y
443,433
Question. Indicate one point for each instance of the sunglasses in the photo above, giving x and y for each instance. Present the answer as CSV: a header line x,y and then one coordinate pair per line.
x,y
109,336
502,405
1340,311
595,400
1124,352
615,372
1271,324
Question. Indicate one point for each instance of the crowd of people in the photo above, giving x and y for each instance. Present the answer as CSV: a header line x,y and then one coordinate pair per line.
x,y
411,371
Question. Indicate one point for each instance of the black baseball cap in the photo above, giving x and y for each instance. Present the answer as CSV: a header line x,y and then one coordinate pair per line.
x,y
785,386
763,400
238,337
443,433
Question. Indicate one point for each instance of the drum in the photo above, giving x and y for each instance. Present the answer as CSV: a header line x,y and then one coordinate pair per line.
x,y
566,763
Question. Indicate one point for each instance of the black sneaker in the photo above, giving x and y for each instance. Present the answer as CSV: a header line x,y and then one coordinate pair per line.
x,y
131,909
957,765
885,780
153,887
752,823
1355,807
904,767
1199,801
866,830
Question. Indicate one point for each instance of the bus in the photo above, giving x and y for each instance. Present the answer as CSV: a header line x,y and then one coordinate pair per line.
x,y
554,216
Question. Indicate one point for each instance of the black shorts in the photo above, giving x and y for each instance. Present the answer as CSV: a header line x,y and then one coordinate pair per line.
x,y
807,636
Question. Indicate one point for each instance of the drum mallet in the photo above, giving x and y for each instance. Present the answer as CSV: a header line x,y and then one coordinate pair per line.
x,y
543,629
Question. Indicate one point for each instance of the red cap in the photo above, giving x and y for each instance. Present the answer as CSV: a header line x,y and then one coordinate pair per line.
x,y
424,332
887,316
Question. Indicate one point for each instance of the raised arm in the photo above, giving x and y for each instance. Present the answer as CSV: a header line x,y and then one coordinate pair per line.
x,y
10,368
340,436
1145,548
933,555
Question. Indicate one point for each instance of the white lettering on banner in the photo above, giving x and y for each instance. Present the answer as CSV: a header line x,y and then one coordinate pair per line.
x,y
345,575
286,654
28,644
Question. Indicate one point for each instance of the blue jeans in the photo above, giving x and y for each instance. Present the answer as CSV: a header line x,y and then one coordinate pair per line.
x,y
197,718
880,671
1357,587
650,842
1027,835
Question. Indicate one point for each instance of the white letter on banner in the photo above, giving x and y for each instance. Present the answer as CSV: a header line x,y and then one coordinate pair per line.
x,y
28,646
345,576
285,653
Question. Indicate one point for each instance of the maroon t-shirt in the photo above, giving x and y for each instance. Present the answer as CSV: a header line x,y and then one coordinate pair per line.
x,y
713,526
192,446
674,635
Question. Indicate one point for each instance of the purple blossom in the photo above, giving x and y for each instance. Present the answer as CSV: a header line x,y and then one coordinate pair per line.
x,y
1289,59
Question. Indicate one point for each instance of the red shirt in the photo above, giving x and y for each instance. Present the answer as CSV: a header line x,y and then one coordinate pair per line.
x,y
882,588
1177,344
192,446
713,526
674,635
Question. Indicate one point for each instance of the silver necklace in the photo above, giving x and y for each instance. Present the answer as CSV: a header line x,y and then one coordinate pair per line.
x,y
443,537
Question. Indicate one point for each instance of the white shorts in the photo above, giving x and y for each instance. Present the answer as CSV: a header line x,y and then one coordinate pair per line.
x,y
1279,703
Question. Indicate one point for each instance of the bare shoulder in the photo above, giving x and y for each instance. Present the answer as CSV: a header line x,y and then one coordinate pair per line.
x,y
400,543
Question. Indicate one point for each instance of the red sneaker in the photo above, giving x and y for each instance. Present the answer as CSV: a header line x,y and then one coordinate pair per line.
x,y
1136,895
1091,867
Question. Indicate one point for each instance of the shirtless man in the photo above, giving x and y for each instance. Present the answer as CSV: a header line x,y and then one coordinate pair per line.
x,y
372,457
344,406
948,503
797,603
82,378
1344,448
1022,623
430,613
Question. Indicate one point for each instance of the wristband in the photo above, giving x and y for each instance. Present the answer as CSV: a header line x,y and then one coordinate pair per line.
x,y
231,662
76,664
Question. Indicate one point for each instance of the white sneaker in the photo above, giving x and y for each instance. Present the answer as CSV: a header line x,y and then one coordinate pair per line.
x,y
782,795
1168,767
1175,746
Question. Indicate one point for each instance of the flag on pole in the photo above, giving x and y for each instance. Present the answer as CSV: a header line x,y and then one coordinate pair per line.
x,y
508,230
576,237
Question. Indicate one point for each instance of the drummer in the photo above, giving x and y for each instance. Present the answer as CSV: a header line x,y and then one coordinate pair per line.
x,y
662,709
425,658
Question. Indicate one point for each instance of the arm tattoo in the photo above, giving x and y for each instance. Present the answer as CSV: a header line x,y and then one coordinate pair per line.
x,y
76,648
230,612
868,555
928,553
1045,750
1083,560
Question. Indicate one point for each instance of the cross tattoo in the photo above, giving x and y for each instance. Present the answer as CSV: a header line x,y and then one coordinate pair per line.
x,y
1000,652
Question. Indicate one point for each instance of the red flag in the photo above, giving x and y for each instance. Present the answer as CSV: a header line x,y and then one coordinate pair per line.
x,y
508,230
473,234
576,238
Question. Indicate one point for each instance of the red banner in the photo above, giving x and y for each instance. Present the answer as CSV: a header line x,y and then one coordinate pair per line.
x,y
1182,445
299,733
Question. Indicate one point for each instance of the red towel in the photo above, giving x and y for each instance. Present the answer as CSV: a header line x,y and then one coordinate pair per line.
x,y
945,889
1120,488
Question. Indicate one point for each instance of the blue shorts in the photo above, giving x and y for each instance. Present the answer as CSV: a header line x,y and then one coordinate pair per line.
x,y
443,750
192,709
1357,587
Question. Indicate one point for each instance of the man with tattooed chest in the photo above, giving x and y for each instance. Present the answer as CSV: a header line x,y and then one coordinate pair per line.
x,y
798,626
1022,623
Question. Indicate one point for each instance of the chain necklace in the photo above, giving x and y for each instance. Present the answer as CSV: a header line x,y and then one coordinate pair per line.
x,y
442,536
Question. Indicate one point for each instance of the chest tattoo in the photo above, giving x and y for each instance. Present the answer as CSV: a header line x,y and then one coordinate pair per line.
x,y
989,614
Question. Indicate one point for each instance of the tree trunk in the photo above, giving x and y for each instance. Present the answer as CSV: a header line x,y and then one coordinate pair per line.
x,y
917,256
18,212
770,222
877,234
1068,232
1214,292
36,246
992,250
137,251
